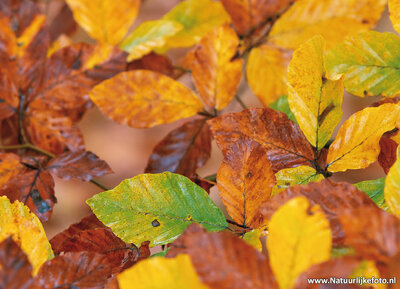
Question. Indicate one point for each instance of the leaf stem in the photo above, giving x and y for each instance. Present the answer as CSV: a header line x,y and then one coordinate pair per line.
x,y
240,101
238,225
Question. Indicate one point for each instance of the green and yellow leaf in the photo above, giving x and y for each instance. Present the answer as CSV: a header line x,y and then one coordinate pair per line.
x,y
375,190
282,105
253,238
392,188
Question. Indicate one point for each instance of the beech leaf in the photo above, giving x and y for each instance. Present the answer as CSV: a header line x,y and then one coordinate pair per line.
x,y
374,189
392,189
394,12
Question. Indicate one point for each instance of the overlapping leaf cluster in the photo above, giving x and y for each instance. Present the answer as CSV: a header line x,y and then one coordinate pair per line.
x,y
288,221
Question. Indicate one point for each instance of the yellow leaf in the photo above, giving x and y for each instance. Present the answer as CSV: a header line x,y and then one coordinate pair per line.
x,y
16,220
61,42
392,187
298,237
394,12
300,175
144,98
367,269
307,18
266,72
161,273
29,34
197,17
253,238
315,100
357,143
148,36
215,74
107,21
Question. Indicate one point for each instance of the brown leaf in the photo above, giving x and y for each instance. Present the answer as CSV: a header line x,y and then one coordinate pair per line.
x,y
223,260
333,198
15,269
82,166
245,181
285,144
394,270
183,150
62,23
374,234
203,183
337,268
250,14
155,62
74,270
388,154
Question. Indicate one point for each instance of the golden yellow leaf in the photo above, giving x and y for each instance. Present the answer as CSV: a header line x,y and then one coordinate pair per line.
x,y
315,100
215,74
16,220
266,72
253,238
61,42
307,18
300,175
161,273
357,143
368,269
29,34
394,12
144,98
107,21
392,187
299,236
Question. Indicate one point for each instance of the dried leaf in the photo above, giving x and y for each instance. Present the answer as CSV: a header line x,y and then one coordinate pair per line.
x,y
107,21
392,189
63,23
394,12
26,230
357,143
367,61
155,62
246,268
156,208
307,18
298,237
183,150
82,166
245,180
315,100
142,98
333,198
374,189
282,139
74,270
388,153
266,72
161,273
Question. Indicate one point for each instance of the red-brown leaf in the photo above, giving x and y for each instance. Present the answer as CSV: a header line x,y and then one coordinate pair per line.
x,y
154,62
388,153
222,260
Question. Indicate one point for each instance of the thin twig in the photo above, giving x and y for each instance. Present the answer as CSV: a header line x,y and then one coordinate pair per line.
x,y
242,104
238,225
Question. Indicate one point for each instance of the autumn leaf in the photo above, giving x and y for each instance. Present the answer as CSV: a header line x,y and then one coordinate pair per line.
x,y
82,166
374,189
357,143
315,100
266,72
368,269
253,238
197,17
142,98
148,36
282,139
392,189
156,208
248,268
245,180
388,153
107,21
183,150
394,12
155,62
333,198
249,15
307,18
298,237
300,175
215,71
282,105
368,63
63,23
15,269
26,230
76,270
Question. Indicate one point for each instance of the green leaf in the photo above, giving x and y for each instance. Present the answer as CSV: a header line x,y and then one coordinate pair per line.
x,y
156,208
374,189
282,105
370,62
148,36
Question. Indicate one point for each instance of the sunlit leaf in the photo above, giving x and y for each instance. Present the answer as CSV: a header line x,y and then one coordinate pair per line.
x,y
17,221
161,273
307,18
149,35
392,188
266,72
315,100
107,21
394,13
143,98
368,62
253,238
374,189
156,208
298,237
357,143
215,72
